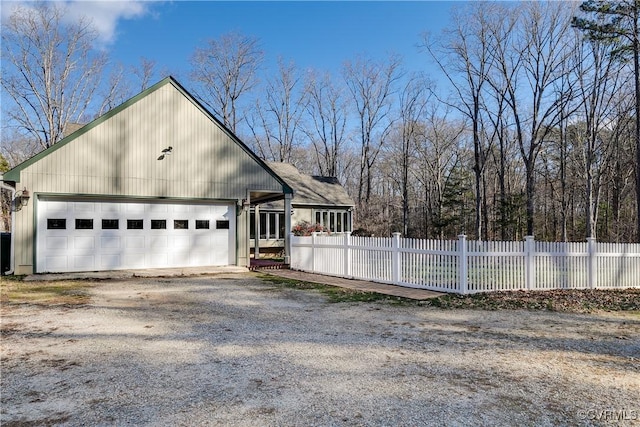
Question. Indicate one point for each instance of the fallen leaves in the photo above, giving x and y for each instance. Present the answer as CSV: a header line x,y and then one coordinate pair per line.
x,y
568,300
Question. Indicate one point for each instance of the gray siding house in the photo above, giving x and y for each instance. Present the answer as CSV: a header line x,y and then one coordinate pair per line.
x,y
156,182
317,200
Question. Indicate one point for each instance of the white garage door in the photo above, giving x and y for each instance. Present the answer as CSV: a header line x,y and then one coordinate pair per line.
x,y
81,235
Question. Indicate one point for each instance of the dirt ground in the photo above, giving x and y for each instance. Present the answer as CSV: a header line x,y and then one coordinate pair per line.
x,y
234,350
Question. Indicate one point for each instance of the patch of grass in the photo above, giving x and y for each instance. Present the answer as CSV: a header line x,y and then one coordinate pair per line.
x,y
63,292
334,294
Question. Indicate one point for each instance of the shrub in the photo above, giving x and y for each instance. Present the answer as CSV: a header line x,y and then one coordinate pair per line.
x,y
304,228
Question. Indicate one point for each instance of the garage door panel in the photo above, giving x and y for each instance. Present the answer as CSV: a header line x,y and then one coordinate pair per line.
x,y
57,207
159,260
181,242
56,243
158,208
56,263
84,207
117,247
108,243
201,242
180,257
110,208
201,258
180,208
84,262
110,262
130,261
134,242
158,242
84,243
134,208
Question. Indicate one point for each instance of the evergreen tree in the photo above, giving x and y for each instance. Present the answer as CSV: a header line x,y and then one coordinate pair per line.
x,y
617,21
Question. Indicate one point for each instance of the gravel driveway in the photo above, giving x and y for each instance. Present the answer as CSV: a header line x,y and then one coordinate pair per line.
x,y
233,350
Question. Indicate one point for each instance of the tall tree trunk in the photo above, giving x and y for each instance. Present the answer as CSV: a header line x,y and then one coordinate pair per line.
x,y
636,69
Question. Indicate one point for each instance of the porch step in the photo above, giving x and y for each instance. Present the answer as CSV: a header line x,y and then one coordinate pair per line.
x,y
264,264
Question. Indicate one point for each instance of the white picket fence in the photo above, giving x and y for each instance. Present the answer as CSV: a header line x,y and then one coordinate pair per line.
x,y
463,266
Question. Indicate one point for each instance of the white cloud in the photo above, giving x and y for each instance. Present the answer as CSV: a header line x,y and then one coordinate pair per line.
x,y
104,14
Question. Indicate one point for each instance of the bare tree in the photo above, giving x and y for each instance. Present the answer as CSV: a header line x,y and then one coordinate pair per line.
x,y
49,70
225,70
372,85
528,61
598,83
5,199
465,51
144,72
277,123
327,111
437,154
413,102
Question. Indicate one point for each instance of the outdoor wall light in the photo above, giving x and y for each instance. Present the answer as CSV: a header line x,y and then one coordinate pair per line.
x,y
22,198
166,152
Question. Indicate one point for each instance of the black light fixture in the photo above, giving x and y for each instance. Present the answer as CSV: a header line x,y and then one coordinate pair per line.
x,y
22,198
166,152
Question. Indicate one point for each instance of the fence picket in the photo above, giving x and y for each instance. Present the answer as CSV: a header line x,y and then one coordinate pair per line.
x,y
462,266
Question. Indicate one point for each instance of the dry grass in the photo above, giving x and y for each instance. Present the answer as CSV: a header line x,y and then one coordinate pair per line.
x,y
67,293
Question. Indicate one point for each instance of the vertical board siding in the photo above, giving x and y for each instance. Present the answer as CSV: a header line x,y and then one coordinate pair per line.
x,y
489,266
119,156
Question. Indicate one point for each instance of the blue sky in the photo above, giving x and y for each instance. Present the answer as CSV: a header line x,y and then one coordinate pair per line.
x,y
320,35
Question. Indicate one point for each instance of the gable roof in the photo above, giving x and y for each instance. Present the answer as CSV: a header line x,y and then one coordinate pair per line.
x,y
14,174
312,190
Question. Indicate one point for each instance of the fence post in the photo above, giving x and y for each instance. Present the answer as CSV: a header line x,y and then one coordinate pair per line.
x,y
313,251
347,255
592,272
529,262
462,264
395,258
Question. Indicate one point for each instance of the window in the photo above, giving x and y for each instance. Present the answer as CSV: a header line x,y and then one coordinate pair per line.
x,y
180,224
336,221
110,224
222,224
263,225
56,224
271,225
134,224
202,224
281,231
84,224
158,224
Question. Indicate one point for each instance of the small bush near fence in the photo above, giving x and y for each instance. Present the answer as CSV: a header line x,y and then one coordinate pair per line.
x,y
304,228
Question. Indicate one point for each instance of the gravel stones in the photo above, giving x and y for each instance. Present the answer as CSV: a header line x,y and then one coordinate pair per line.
x,y
233,350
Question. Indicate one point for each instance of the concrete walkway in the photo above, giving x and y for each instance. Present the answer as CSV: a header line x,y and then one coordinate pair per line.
x,y
360,285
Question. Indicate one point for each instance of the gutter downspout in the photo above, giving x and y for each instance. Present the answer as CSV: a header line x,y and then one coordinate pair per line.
x,y
8,187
